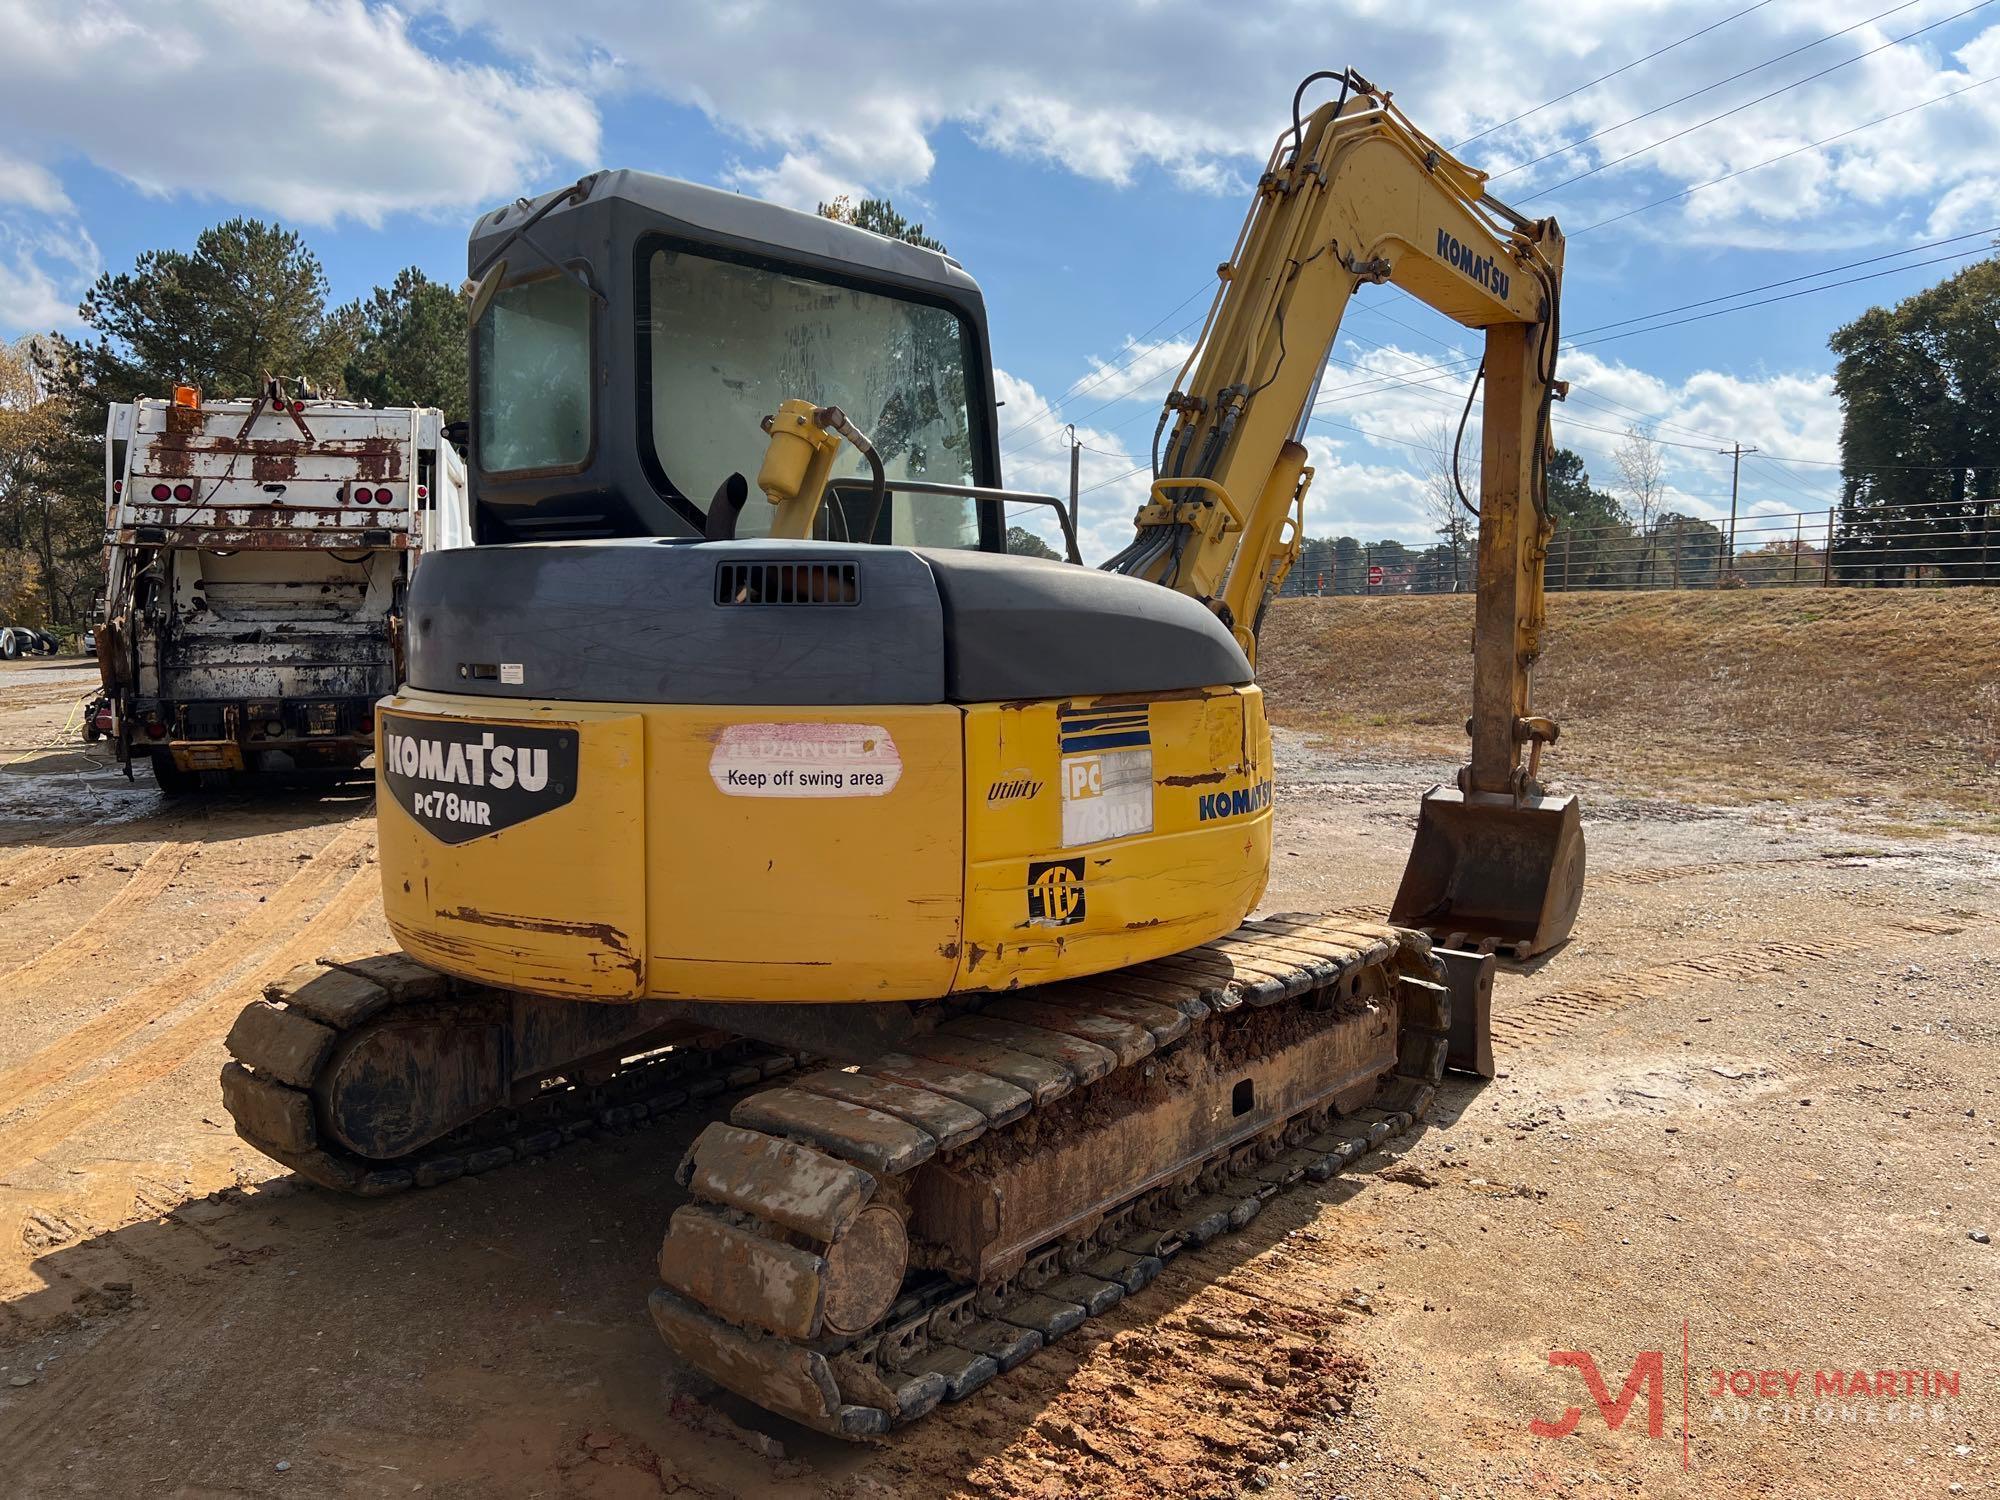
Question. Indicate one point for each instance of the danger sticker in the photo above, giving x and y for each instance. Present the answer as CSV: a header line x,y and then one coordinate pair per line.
x,y
805,760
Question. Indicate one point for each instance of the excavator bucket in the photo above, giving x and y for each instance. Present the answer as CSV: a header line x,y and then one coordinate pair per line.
x,y
1493,872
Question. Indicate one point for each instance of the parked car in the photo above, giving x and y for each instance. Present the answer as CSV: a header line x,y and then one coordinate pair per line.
x,y
90,641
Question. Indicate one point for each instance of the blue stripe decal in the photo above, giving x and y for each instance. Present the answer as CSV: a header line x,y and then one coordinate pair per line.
x,y
1123,721
1105,741
1121,726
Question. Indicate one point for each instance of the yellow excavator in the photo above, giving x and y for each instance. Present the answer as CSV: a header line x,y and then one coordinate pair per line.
x,y
802,787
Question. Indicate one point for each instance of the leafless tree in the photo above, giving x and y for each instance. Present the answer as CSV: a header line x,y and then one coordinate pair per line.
x,y
1642,476
1449,518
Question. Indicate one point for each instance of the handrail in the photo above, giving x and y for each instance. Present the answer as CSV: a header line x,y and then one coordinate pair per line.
x,y
979,493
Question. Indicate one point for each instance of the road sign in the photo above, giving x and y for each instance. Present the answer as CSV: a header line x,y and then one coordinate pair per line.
x,y
1374,577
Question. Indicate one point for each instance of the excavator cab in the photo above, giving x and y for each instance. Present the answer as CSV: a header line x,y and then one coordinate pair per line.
x,y
630,333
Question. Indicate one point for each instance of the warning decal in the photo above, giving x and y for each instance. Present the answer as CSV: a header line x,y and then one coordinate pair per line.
x,y
804,760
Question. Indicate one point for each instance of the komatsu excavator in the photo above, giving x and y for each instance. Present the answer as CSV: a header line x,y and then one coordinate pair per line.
x,y
942,857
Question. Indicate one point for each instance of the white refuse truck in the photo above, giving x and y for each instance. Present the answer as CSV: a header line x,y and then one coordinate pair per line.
x,y
258,556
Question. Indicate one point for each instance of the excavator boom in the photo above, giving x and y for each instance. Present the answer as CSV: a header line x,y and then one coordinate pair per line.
x,y
1355,194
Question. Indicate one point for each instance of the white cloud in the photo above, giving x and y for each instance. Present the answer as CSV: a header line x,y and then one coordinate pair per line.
x,y
1035,449
1140,370
799,182
35,186
1116,90
45,267
318,110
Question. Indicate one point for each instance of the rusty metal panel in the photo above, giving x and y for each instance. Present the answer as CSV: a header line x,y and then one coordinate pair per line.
x,y
991,1205
279,1044
950,1123
270,1113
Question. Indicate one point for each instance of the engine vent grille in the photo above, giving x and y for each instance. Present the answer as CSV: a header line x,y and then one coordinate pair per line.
x,y
788,583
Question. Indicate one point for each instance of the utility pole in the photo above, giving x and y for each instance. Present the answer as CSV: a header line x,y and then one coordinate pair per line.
x,y
1735,452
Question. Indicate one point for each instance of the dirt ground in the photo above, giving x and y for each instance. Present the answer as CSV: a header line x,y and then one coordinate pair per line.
x,y
1745,1123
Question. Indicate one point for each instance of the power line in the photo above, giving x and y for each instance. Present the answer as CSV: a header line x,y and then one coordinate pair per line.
x,y
1084,382
1465,364
1782,156
1707,88
1793,281
1783,297
1134,357
1753,103
1603,77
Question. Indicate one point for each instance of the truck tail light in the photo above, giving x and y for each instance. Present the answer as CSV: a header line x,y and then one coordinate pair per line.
x,y
161,492
423,492
155,730
183,493
297,407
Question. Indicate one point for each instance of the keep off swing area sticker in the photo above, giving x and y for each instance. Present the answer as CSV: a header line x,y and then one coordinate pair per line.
x,y
805,760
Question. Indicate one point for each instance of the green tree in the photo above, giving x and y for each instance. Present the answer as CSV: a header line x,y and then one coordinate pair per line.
x,y
1688,549
1024,543
248,301
1919,387
410,345
879,216
51,489
1592,547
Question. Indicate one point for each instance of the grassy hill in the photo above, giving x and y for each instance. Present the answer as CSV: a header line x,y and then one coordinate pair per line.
x,y
1868,693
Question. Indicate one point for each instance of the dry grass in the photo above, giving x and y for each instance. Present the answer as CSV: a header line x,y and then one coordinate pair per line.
x,y
1888,695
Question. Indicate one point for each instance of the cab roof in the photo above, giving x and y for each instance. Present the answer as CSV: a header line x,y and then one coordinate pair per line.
x,y
713,215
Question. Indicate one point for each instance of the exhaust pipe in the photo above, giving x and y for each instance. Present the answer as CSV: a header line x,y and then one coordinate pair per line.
x,y
1494,872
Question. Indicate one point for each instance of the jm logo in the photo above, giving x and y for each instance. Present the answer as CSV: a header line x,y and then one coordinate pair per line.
x,y
1649,1373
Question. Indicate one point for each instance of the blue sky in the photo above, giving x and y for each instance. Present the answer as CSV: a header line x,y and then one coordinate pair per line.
x,y
1090,166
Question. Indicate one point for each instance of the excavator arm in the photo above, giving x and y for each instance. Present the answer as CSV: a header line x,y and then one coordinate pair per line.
x,y
1354,193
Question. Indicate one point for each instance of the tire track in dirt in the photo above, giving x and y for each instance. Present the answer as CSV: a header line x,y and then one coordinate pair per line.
x,y
1542,1018
149,882
91,1041
58,856
37,1132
